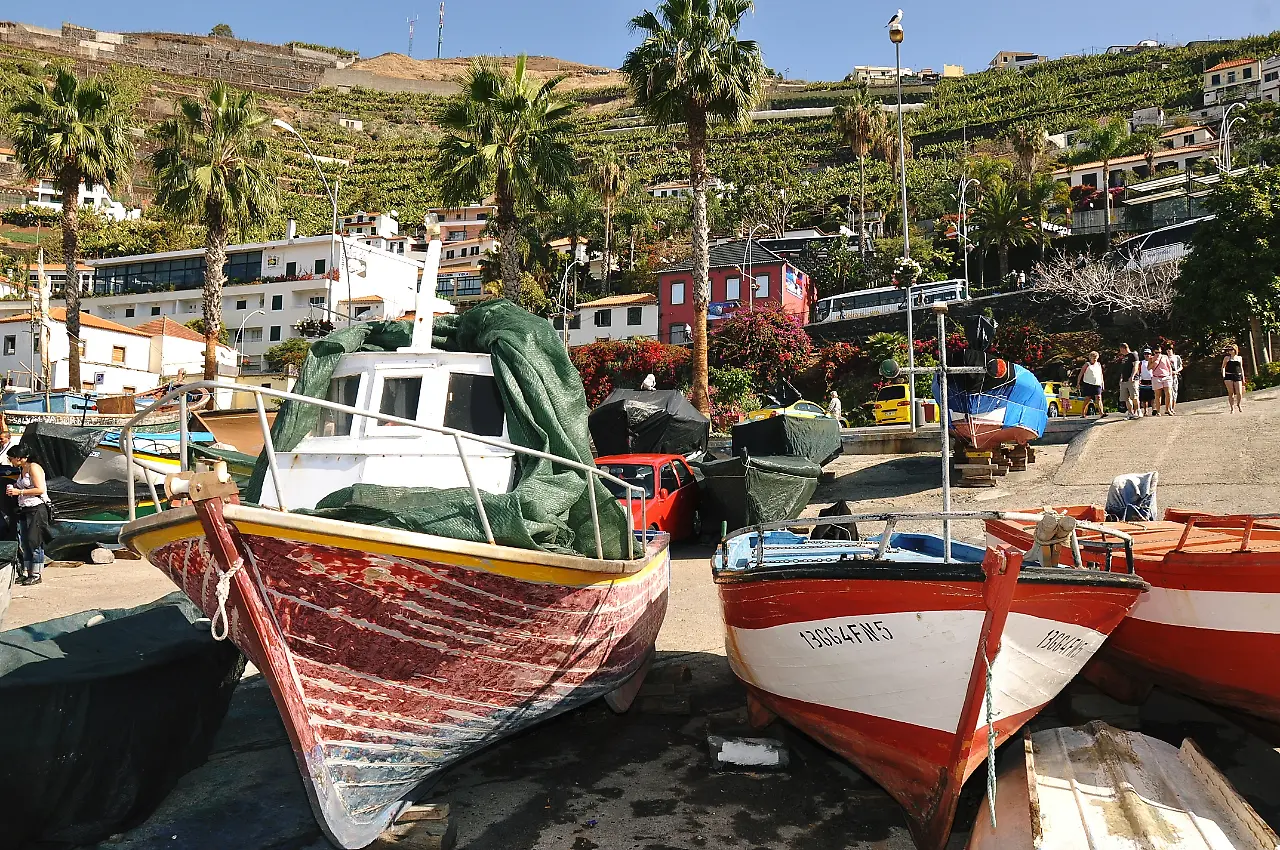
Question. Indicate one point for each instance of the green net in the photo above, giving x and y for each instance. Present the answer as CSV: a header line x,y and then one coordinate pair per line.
x,y
546,409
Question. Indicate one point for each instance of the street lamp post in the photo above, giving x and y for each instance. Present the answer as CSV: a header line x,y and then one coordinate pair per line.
x,y
1224,134
962,197
896,34
332,194
564,303
747,268
240,336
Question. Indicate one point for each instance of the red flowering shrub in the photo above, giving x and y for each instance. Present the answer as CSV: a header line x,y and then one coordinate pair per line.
x,y
767,342
624,363
1024,343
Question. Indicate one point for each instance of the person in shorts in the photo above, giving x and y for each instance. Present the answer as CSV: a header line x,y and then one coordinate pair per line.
x,y
1146,392
1129,380
1089,384
1177,377
1162,381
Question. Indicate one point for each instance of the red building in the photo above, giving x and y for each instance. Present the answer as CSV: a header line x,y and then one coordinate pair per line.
x,y
776,282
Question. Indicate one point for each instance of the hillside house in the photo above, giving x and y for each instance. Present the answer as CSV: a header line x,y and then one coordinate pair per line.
x,y
113,358
1238,79
612,317
1016,60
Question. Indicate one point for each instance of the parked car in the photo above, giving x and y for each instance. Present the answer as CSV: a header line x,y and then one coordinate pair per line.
x,y
803,409
670,502
1063,400
892,406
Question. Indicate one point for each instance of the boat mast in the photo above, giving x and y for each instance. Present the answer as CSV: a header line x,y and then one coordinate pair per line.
x,y
428,303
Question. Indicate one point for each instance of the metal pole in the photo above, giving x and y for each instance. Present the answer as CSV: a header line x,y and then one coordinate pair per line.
x,y
183,436
268,446
911,356
126,439
902,154
940,310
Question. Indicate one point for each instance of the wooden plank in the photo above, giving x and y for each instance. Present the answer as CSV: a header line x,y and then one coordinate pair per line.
x,y
420,827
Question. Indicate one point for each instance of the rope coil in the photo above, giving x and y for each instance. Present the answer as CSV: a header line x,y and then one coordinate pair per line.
x,y
222,591
991,742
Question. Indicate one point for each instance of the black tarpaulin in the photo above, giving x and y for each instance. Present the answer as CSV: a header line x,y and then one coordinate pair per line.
x,y
60,449
98,722
817,439
743,491
648,422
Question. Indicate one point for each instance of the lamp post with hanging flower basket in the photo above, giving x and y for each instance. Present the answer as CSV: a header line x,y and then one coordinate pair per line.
x,y
906,272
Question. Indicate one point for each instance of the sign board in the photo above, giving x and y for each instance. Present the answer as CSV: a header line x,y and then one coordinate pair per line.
x,y
794,282
99,378
722,309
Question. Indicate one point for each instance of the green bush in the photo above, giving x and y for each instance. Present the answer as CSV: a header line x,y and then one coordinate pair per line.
x,y
1269,376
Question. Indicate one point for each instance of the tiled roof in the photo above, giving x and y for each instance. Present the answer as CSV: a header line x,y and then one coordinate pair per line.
x,y
1234,63
365,299
1126,160
164,326
730,254
59,314
1178,131
622,300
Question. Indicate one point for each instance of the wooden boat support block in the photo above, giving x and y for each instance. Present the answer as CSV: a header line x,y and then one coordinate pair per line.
x,y
422,827
975,467
751,754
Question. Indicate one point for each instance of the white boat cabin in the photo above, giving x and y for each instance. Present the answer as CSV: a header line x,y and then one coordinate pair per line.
x,y
435,388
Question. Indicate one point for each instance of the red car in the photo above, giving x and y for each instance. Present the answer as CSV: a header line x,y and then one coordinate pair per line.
x,y
671,491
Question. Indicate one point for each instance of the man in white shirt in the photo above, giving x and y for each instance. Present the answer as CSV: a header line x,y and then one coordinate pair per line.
x,y
833,406
649,382
1177,378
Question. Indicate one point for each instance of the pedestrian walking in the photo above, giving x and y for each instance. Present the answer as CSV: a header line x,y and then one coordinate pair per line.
x,y
1162,381
35,514
1177,377
1146,393
1233,378
833,406
1129,380
1089,384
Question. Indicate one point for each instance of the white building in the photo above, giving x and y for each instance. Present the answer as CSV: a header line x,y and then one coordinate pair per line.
x,y
1152,116
271,286
1270,89
683,188
176,348
1090,173
362,223
1239,79
1016,59
48,196
113,358
612,317
878,75
56,275
465,234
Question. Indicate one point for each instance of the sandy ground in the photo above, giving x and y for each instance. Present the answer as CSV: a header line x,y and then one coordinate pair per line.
x,y
578,76
642,781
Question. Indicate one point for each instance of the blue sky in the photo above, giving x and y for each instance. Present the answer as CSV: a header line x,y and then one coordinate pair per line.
x,y
814,39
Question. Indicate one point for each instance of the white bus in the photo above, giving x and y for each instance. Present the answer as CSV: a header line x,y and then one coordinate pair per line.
x,y
886,299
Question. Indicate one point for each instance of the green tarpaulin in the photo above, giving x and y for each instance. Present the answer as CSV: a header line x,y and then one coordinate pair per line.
x,y
743,491
546,409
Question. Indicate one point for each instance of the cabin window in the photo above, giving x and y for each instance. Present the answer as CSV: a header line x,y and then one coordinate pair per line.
x,y
333,423
474,405
400,398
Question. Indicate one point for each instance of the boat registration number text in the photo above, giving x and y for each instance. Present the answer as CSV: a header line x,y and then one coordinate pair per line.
x,y
1062,643
855,633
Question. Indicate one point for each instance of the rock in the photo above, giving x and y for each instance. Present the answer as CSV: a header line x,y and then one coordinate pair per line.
x,y
102,556
747,753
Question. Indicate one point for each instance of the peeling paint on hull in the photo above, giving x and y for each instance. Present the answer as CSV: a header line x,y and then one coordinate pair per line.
x,y
388,668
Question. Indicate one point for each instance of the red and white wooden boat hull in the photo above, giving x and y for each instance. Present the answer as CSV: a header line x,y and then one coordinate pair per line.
x,y
1210,627
889,671
392,655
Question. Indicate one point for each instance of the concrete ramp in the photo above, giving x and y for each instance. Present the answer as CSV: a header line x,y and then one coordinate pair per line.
x,y
1104,788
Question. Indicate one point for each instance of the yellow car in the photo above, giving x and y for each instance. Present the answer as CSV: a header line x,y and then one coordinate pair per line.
x,y
801,409
1065,401
893,407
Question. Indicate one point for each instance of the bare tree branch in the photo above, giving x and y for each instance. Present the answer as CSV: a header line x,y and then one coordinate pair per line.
x,y
1089,284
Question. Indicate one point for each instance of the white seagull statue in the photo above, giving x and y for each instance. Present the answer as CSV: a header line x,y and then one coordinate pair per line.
x,y
896,19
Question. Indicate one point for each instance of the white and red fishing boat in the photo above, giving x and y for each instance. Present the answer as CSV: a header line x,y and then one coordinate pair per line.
x,y
911,661
393,653
1210,627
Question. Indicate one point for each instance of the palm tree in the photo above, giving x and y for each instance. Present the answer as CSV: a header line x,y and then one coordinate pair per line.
x,y
691,68
1043,191
509,134
1147,143
858,122
74,130
609,180
1028,143
1003,220
214,165
575,214
1104,141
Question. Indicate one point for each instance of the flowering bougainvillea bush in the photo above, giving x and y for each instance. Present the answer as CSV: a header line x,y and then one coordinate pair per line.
x,y
768,342
1024,342
624,363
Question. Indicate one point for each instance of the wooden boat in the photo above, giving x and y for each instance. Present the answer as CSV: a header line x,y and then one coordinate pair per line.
x,y
157,417
912,664
1140,793
394,653
1210,627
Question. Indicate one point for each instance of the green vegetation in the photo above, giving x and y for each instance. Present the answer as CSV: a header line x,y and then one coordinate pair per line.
x,y
76,131
213,165
290,354
336,51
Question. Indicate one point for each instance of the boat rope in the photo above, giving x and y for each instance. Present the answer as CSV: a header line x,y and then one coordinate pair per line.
x,y
222,591
991,741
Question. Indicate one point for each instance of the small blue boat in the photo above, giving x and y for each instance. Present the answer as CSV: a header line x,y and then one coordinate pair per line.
x,y
1010,411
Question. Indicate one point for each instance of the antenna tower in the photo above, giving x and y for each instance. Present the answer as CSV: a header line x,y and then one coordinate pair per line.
x,y
411,22
440,38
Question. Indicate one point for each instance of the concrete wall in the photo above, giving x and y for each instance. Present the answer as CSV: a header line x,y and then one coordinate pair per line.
x,y
334,77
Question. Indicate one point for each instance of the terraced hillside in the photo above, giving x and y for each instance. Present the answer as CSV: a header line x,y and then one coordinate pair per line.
x,y
389,164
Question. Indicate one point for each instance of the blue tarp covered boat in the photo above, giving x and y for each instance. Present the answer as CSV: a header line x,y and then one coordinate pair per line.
x,y
1012,410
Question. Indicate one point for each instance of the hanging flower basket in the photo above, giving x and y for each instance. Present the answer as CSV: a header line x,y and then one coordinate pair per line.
x,y
310,328
906,272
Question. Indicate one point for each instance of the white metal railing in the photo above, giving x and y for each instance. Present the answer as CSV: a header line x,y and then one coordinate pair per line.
x,y
891,521
268,446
